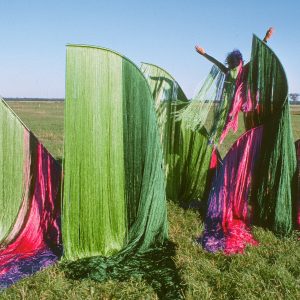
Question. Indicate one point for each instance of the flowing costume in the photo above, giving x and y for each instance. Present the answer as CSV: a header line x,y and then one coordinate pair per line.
x,y
255,181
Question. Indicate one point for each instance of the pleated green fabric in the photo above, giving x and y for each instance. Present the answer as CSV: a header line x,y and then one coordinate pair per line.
x,y
12,155
186,153
94,217
114,218
112,157
276,171
207,108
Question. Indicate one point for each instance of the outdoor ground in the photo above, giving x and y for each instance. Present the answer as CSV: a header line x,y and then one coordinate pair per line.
x,y
270,271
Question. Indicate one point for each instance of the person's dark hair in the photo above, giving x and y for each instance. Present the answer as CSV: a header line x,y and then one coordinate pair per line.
x,y
234,58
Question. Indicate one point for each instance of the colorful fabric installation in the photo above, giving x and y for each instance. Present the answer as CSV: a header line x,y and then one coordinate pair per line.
x,y
132,137
187,154
114,219
258,170
30,198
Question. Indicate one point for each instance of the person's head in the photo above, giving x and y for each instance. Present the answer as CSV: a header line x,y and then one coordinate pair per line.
x,y
234,58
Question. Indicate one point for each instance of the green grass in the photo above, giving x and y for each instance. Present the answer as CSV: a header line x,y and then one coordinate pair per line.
x,y
45,120
270,271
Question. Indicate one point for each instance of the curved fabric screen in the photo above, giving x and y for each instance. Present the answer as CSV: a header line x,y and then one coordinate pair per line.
x,y
114,189
30,202
274,178
187,153
114,212
12,172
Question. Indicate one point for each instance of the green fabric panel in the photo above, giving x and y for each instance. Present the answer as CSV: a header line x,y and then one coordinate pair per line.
x,y
146,253
94,217
222,110
162,84
166,93
114,188
192,168
143,151
207,107
12,157
276,170
186,152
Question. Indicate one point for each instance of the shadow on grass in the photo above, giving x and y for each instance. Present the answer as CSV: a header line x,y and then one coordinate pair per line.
x,y
155,266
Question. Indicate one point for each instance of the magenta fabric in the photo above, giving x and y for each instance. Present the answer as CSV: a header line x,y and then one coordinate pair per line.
x,y
229,214
37,244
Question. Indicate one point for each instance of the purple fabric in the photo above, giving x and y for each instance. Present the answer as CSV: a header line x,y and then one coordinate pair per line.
x,y
228,215
26,267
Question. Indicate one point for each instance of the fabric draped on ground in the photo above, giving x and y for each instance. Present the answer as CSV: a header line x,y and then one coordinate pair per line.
x,y
32,240
229,215
187,153
114,219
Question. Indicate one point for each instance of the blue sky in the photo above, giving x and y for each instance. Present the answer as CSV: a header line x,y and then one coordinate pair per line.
x,y
34,35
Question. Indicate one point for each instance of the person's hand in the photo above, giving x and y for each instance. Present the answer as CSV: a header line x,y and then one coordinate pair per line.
x,y
200,50
269,33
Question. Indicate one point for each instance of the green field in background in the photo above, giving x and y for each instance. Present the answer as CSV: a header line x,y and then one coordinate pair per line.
x,y
46,120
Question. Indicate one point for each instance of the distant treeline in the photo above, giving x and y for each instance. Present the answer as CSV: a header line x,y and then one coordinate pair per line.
x,y
34,99
294,98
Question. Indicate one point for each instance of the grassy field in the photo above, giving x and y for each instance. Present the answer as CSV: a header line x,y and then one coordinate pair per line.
x,y
45,120
271,271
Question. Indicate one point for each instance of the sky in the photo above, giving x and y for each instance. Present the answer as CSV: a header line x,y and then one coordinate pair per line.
x,y
34,35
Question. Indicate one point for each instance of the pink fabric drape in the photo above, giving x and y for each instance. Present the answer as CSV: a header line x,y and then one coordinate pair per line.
x,y
229,215
35,239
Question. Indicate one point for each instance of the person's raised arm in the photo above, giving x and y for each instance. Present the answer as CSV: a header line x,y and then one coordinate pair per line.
x,y
268,34
201,51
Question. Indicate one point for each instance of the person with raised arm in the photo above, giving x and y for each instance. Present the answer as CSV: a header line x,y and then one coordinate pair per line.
x,y
234,96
